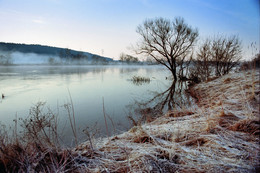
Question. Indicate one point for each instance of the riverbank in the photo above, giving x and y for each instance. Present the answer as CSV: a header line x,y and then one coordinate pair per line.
x,y
218,134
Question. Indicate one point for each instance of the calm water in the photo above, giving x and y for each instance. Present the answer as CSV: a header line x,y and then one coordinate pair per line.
x,y
24,86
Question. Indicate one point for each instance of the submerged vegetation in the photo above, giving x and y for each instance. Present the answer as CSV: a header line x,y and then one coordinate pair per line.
x,y
139,80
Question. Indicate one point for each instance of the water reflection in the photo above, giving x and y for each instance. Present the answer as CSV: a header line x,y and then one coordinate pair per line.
x,y
49,70
25,86
173,98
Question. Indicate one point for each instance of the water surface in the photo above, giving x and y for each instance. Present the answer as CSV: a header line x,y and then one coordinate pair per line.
x,y
24,86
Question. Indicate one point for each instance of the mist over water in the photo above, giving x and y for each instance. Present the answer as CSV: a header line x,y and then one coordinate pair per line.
x,y
20,58
24,86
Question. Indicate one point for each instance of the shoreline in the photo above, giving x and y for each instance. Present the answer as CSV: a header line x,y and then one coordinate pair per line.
x,y
218,134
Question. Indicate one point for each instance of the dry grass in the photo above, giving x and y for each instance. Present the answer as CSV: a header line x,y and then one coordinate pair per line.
x,y
248,126
37,148
182,113
33,158
221,135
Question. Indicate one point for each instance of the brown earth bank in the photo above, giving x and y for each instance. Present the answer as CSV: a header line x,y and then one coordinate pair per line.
x,y
220,133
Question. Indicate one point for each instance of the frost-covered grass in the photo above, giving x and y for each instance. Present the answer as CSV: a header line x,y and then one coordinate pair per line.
x,y
219,134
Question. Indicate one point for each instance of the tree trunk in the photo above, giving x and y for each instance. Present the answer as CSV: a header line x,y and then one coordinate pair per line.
x,y
174,74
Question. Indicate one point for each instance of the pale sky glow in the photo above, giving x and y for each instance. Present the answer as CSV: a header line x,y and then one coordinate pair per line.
x,y
110,25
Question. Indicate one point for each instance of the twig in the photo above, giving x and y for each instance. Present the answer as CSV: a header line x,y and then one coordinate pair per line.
x,y
73,126
105,117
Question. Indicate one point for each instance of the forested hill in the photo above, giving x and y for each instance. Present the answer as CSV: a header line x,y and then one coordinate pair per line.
x,y
63,53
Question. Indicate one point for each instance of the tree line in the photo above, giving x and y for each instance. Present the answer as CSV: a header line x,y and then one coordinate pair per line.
x,y
65,54
172,44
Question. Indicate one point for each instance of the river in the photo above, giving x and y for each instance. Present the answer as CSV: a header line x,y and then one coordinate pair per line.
x,y
93,91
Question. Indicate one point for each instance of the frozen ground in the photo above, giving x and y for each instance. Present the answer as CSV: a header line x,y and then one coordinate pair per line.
x,y
218,134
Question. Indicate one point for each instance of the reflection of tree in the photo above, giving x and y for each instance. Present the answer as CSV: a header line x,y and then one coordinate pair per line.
x,y
174,97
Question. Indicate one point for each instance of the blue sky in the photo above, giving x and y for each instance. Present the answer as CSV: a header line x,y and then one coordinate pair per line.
x,y
108,27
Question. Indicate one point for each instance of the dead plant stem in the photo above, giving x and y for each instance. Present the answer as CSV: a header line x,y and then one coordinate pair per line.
x,y
73,126
104,112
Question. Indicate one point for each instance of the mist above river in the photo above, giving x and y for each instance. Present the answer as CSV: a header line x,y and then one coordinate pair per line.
x,y
24,86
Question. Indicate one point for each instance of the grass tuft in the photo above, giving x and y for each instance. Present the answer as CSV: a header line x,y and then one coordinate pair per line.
x,y
196,142
139,80
248,126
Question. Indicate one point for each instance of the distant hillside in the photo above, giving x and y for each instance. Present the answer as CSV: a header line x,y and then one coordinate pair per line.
x,y
62,53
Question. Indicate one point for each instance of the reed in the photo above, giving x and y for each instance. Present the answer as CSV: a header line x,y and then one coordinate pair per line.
x,y
139,80
37,148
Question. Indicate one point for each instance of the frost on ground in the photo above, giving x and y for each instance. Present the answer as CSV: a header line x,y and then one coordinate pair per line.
x,y
220,134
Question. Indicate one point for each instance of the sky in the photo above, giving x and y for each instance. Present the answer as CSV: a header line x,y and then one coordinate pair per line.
x,y
108,27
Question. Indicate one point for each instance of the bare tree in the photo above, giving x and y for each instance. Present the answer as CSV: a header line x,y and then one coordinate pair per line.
x,y
168,42
218,55
226,53
203,61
